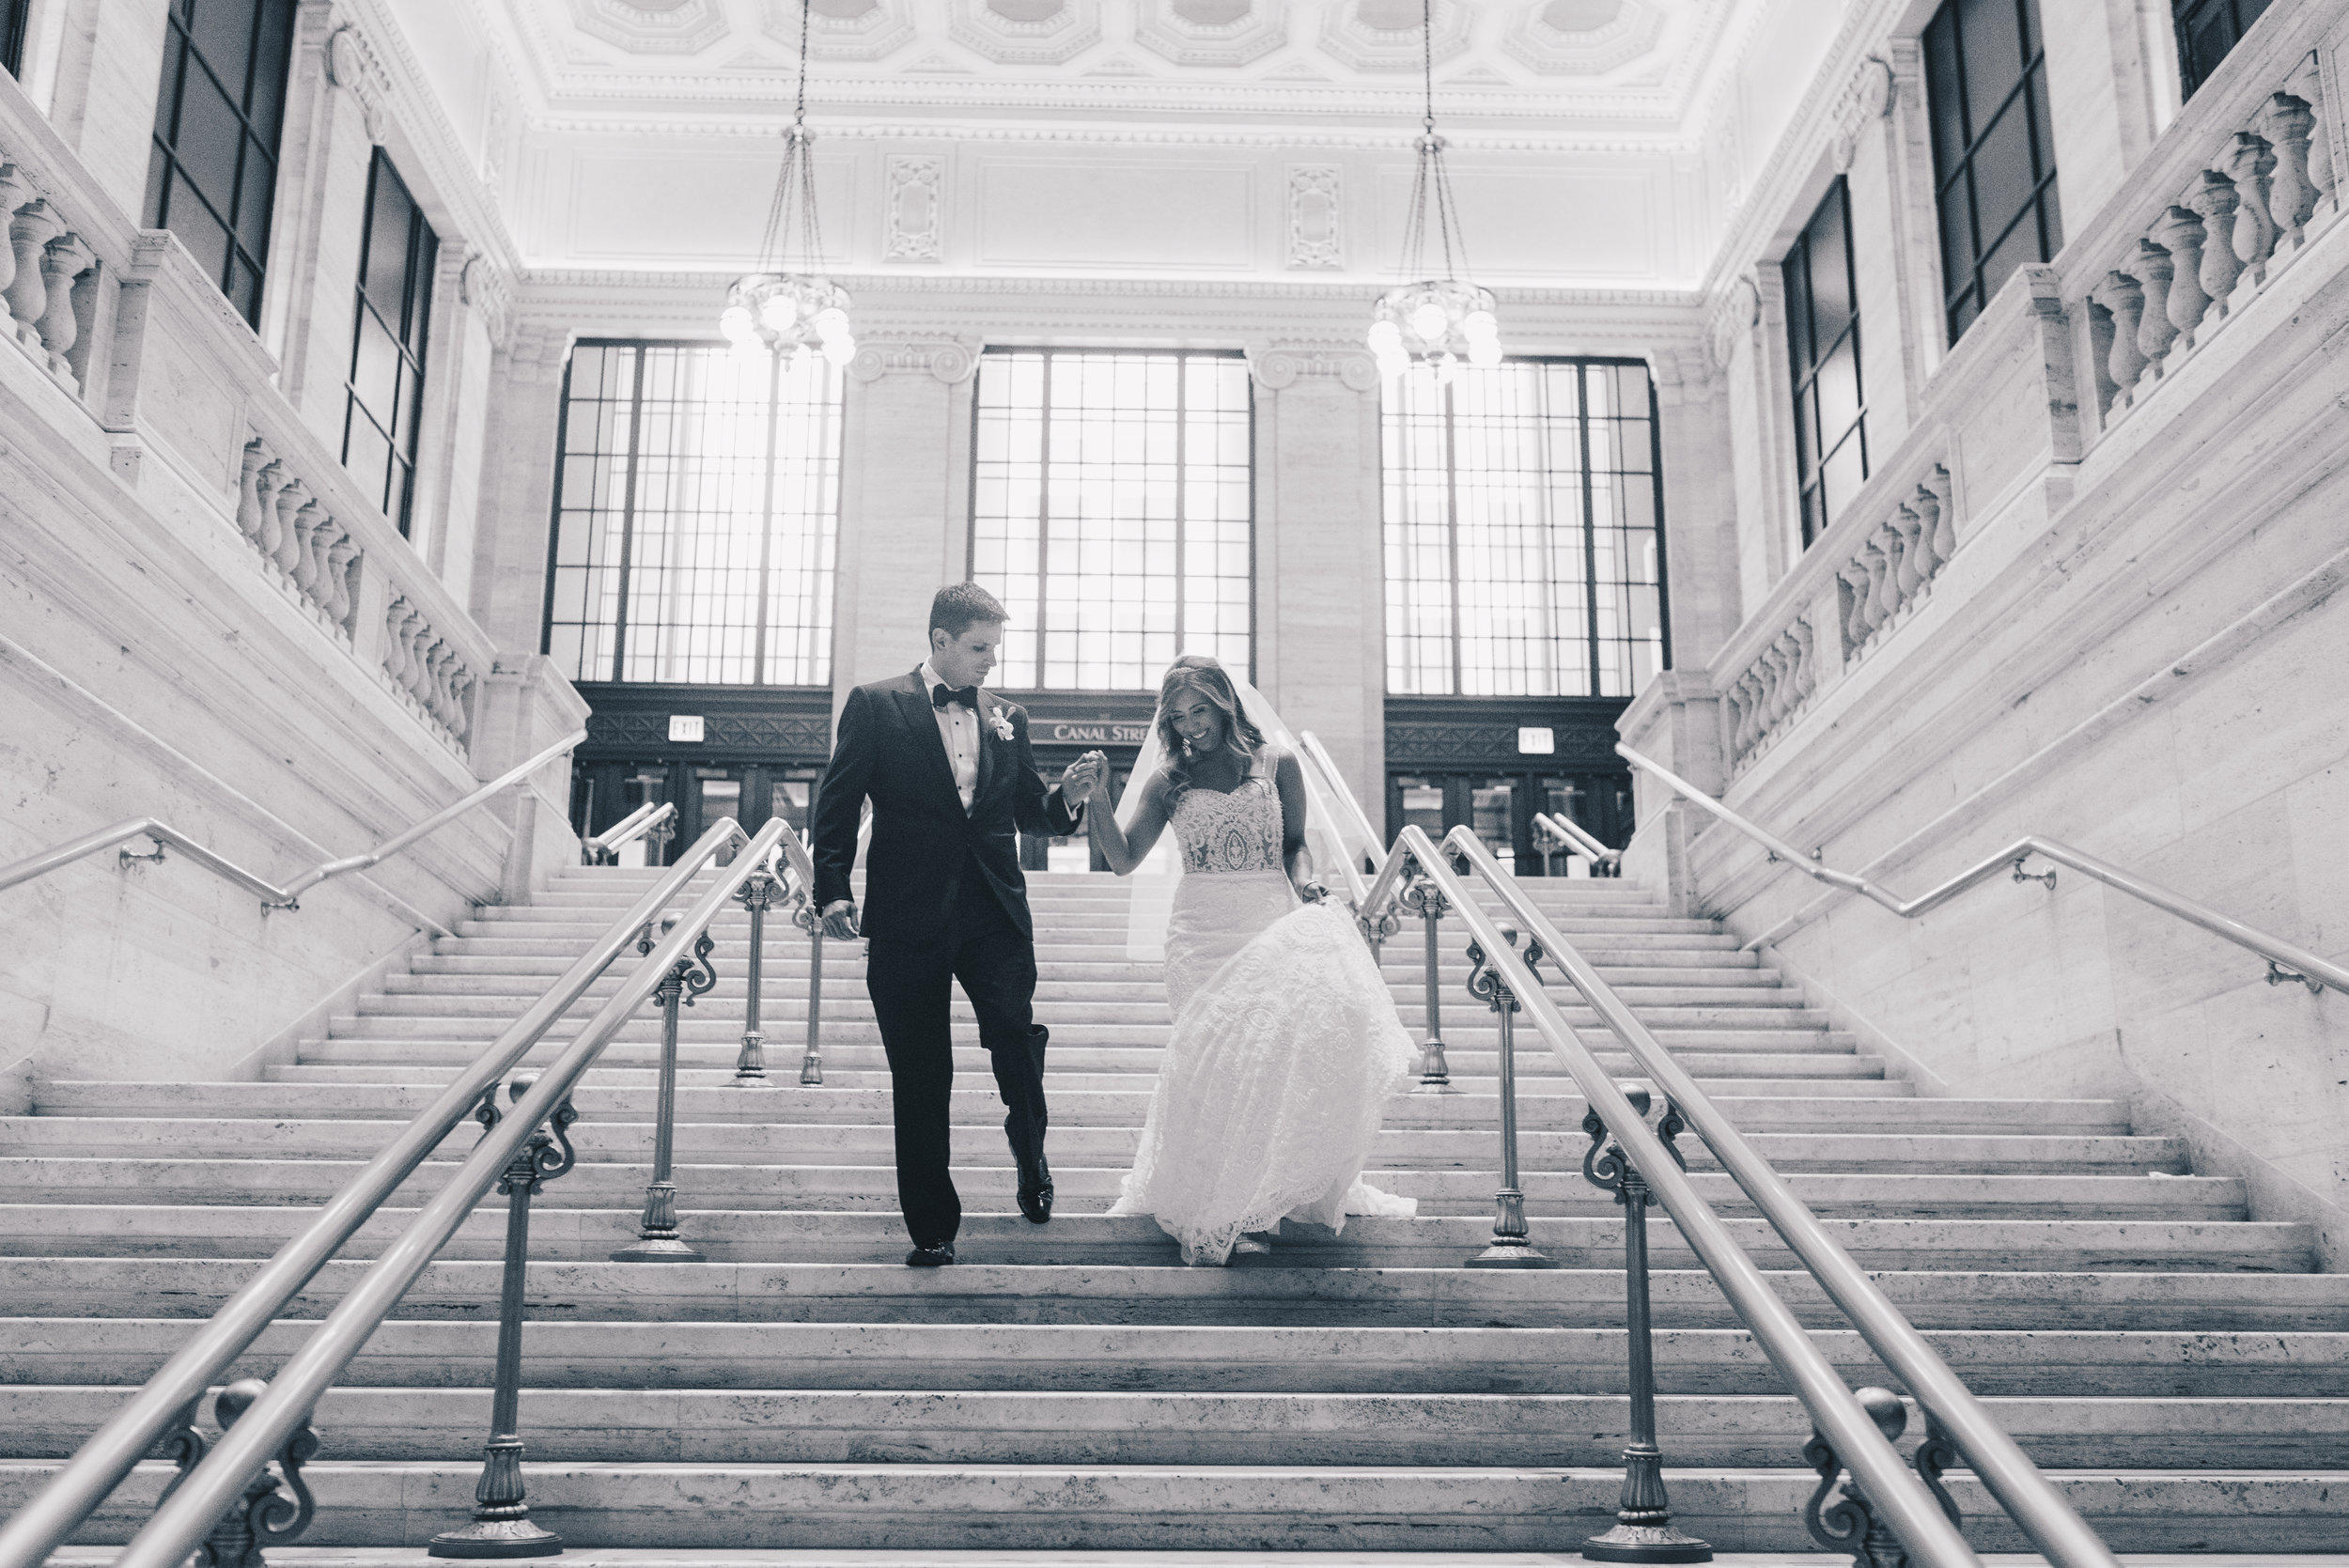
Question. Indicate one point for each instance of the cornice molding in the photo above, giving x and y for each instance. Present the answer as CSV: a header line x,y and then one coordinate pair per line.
x,y
1383,138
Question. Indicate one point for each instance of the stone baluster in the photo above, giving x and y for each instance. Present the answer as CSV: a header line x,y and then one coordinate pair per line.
x,y
1782,656
1742,706
1914,563
2291,194
30,230
257,457
440,671
323,539
292,498
307,520
62,260
410,650
1806,673
460,724
2153,269
2124,302
266,485
338,558
1933,500
2248,160
15,192
394,649
2213,198
1855,578
2307,84
419,635
1873,562
2180,233
1888,544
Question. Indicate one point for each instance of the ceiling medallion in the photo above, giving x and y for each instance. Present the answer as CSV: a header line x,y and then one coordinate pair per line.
x,y
1439,321
788,306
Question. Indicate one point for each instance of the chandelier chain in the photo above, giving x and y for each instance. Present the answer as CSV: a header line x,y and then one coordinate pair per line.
x,y
1439,323
788,306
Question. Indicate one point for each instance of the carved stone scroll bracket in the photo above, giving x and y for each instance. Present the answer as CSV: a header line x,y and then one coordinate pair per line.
x,y
1280,366
950,360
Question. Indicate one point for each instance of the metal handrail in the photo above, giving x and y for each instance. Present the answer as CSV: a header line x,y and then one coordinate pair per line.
x,y
100,1463
629,828
1337,802
2052,1522
2285,961
1349,814
1573,835
272,897
184,1517
1891,1484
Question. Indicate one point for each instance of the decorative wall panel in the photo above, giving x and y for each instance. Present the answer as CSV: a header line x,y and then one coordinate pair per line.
x,y
1315,214
1054,212
915,213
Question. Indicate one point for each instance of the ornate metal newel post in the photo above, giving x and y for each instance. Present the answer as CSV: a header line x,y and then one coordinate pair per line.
x,y
808,919
756,895
1852,1525
656,1237
1511,1246
502,1525
1421,896
259,1517
1643,1531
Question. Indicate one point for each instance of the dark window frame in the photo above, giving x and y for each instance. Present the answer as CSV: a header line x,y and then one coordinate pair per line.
x,y
243,269
1807,357
2197,23
624,565
1958,146
14,14
410,331
1594,642
999,352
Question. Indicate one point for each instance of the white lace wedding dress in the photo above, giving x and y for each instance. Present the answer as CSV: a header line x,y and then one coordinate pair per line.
x,y
1284,1050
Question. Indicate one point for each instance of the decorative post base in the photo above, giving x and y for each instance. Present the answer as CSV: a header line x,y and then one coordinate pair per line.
x,y
1435,1074
497,1538
1643,1531
751,1065
659,1250
657,1238
1510,1246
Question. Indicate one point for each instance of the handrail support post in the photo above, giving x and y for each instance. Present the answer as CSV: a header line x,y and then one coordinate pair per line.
x,y
1421,896
657,1238
502,1525
1512,1245
749,1066
812,1062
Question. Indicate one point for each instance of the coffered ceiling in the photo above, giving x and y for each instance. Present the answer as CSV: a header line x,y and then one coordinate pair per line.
x,y
1585,67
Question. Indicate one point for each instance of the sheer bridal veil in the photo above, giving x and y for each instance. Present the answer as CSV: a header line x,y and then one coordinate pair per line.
x,y
1151,895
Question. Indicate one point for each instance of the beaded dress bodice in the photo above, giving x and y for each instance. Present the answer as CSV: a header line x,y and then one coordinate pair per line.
x,y
1227,834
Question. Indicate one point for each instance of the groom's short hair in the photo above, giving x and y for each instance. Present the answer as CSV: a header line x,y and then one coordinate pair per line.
x,y
959,605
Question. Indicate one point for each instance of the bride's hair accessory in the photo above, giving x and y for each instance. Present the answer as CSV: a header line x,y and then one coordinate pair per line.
x,y
1196,672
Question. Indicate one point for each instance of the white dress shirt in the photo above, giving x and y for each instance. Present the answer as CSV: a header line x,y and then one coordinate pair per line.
x,y
959,728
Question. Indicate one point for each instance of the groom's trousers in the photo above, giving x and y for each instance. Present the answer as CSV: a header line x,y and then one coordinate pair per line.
x,y
995,963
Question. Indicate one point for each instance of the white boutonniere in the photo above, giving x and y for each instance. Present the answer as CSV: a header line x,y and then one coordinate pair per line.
x,y
999,722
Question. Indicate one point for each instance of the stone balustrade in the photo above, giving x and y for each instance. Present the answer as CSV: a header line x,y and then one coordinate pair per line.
x,y
2251,177
1885,553
48,276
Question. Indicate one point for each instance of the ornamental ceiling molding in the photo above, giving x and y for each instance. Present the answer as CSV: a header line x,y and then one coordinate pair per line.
x,y
1382,139
668,27
1633,32
1055,33
1261,27
879,32
1349,40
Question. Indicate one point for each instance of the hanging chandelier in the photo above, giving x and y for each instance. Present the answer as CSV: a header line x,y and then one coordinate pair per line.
x,y
788,306
1440,322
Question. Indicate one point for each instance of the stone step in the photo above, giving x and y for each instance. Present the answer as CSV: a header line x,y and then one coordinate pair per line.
x,y
1103,928
1260,1509
826,1426
809,1235
147,1115
870,1185
782,980
413,1085
919,1357
1318,1298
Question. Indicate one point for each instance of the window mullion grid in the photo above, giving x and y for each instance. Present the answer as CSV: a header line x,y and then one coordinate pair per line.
x,y
1182,476
628,509
766,518
1452,536
1043,511
1590,530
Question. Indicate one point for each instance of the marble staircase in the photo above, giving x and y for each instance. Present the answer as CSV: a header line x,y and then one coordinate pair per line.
x,y
2182,1368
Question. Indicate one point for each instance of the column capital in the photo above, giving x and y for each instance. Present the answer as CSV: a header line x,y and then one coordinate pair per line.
x,y
484,287
1277,366
535,351
948,359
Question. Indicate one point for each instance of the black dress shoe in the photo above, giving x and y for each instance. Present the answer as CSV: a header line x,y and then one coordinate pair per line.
x,y
931,1257
1036,1202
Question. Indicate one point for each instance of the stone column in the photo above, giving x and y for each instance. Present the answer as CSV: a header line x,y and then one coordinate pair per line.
x,y
524,706
469,323
1320,569
522,422
905,508
1700,505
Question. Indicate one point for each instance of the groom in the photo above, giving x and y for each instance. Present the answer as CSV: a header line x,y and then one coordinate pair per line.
x,y
950,776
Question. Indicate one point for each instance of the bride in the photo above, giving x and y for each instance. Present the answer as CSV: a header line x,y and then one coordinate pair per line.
x,y
1286,1044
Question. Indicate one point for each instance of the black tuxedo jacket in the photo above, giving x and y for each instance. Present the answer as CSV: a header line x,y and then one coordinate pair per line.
x,y
889,749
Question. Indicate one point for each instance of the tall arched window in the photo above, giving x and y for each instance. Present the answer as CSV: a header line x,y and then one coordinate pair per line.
x,y
1524,532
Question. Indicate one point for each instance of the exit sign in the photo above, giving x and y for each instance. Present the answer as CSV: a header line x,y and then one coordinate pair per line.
x,y
1540,742
685,727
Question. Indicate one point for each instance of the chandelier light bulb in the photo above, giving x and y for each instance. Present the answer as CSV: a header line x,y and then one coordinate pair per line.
x,y
830,323
739,325
839,350
1385,338
1429,324
1480,326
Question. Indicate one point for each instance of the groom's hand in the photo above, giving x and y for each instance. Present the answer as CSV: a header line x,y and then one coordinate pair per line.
x,y
840,919
1084,778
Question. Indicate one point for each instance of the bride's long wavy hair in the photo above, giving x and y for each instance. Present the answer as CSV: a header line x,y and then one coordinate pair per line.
x,y
1196,672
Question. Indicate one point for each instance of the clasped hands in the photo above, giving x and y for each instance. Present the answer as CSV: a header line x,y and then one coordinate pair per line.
x,y
1086,779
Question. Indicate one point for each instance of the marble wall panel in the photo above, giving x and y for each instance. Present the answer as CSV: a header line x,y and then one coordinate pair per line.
x,y
1113,211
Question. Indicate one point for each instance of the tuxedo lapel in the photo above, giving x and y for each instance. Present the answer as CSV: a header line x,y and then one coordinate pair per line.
x,y
987,760
921,719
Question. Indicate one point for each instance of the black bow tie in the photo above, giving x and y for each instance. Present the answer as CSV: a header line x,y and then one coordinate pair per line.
x,y
943,695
